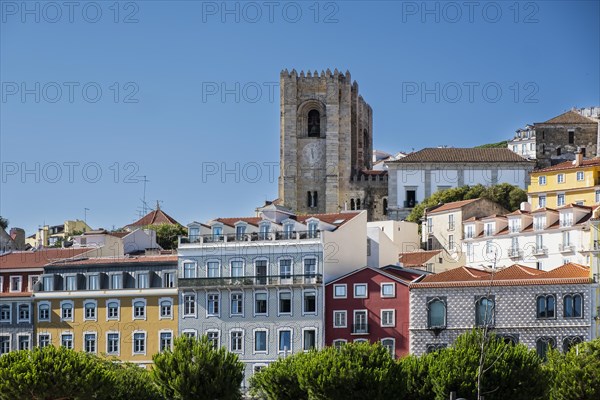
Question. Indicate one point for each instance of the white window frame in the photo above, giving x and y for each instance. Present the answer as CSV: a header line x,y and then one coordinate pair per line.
x,y
290,350
345,286
393,324
340,341
28,336
63,333
291,293
212,330
254,303
304,312
1,284
9,336
137,353
10,313
30,281
88,278
310,328
95,303
39,305
578,174
165,275
345,313
289,280
208,312
237,260
110,280
19,319
133,301
95,342
10,283
44,334
64,303
138,274
195,296
194,265
65,277
312,280
231,331
266,350
219,268
366,312
393,353
542,180
118,352
189,332
160,314
118,317
388,296
564,199
160,332
231,314
366,296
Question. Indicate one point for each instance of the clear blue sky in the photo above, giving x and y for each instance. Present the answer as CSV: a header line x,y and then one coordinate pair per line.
x,y
174,55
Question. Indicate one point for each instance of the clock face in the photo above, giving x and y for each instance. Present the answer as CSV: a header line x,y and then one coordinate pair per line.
x,y
312,153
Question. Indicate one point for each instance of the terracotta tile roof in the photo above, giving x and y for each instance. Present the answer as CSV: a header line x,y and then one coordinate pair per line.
x,y
417,258
37,259
155,217
544,209
569,117
404,277
167,259
493,216
472,219
232,221
515,275
462,155
327,218
573,205
519,212
591,162
452,206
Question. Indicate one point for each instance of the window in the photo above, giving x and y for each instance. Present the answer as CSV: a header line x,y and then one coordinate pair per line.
x,y
166,339
450,242
560,199
542,201
546,306
24,342
213,338
429,225
597,197
543,344
338,343
139,342
388,318
310,302
237,269
288,231
285,340
139,309
285,270
573,305
116,281
189,270
44,312
89,342
189,304
560,178
390,345
264,229
470,231
433,347
310,339
571,137
48,283
360,290
436,313
66,340
260,341
213,270
313,228
15,283
542,180
360,322
451,222
261,272
240,232
166,309
70,283
4,344
237,341
33,279
89,311
580,175
285,303
484,311
339,319
112,310
93,282
558,152
388,290
143,280
168,279
571,341
23,314
43,340
260,303
190,333
212,305
217,232
5,313
314,123
237,303
310,270
312,199
112,343
489,228
67,311
339,291
565,219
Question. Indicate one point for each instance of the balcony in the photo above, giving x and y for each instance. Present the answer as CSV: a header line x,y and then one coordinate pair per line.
x,y
256,280
249,237
360,329
410,203
514,252
540,251
566,248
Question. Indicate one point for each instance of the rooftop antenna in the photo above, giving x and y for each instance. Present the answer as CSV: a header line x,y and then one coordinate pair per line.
x,y
85,210
144,205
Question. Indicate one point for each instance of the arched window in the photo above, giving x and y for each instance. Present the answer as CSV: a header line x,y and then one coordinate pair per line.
x,y
390,345
571,341
546,306
44,312
314,123
338,343
352,205
484,311
385,206
543,344
358,204
436,313
573,306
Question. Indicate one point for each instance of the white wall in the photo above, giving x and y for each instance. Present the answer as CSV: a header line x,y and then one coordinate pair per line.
x,y
345,249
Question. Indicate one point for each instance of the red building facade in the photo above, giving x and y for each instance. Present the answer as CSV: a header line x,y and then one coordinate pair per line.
x,y
370,304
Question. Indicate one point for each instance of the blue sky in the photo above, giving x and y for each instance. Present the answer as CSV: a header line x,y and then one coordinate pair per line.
x,y
97,96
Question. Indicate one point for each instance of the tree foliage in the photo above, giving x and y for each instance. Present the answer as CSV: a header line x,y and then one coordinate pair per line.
x,y
498,145
131,382
194,369
280,380
167,234
505,194
576,374
3,223
54,374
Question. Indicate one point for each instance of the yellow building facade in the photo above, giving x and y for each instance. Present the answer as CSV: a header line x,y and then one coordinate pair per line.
x,y
566,183
122,309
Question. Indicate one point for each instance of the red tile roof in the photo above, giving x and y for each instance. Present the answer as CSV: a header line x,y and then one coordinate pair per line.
x,y
39,258
569,117
544,209
118,260
462,155
515,275
452,206
591,162
155,217
417,258
327,218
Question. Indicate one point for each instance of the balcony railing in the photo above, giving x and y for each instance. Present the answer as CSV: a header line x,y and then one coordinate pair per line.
x,y
514,252
410,203
250,237
596,245
540,251
360,329
566,247
260,280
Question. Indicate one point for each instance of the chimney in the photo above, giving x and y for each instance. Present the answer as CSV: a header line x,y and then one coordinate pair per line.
x,y
525,206
578,157
18,236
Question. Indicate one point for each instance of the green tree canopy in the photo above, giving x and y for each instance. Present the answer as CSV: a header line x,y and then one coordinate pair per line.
x,y
131,382
194,369
279,381
505,194
167,234
3,223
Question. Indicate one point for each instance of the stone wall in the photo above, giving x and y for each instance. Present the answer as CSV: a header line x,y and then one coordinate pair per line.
x,y
551,137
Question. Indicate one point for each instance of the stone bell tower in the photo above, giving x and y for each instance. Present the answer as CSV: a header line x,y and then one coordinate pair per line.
x,y
326,140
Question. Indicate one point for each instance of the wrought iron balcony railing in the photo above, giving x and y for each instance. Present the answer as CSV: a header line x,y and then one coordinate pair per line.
x,y
255,280
250,237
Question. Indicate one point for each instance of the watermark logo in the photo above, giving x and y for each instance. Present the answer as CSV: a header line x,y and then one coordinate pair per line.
x,y
53,12
69,92
248,92
469,92
453,12
69,171
253,12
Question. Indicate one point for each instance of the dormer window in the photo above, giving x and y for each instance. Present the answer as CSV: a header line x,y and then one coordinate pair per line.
x,y
489,228
514,225
469,231
288,231
240,231
313,227
193,234
217,232
539,222
264,229
566,219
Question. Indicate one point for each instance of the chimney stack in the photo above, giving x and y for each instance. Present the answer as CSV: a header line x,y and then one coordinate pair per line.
x,y
578,157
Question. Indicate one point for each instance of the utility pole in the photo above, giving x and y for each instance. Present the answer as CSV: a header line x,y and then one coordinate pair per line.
x,y
85,210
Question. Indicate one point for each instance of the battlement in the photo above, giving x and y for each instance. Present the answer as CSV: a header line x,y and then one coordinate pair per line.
x,y
370,177
328,75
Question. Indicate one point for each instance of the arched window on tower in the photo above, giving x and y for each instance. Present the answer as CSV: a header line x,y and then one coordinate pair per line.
x,y
314,123
352,206
385,205
358,204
